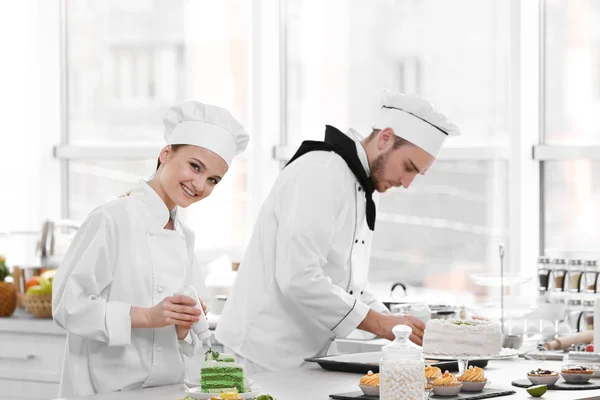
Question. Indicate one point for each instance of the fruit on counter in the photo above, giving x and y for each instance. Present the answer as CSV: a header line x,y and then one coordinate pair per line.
x,y
8,291
264,397
541,372
3,269
537,391
578,369
589,348
35,281
46,279
39,290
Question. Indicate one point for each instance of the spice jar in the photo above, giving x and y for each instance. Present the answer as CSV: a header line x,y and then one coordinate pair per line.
x,y
559,273
543,273
575,275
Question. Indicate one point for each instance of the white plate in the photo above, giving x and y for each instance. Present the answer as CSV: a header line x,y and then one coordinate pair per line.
x,y
503,355
196,393
195,382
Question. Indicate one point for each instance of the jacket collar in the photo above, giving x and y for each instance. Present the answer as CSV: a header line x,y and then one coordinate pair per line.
x,y
360,150
157,212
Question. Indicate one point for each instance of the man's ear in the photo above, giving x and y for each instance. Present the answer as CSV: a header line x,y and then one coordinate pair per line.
x,y
386,139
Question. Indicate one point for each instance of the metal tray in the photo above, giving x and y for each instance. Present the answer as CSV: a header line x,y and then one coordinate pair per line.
x,y
362,363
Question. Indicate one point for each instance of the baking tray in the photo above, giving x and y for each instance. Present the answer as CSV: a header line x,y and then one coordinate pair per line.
x,y
362,363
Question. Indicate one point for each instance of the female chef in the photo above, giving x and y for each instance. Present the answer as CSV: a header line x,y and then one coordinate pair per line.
x,y
114,291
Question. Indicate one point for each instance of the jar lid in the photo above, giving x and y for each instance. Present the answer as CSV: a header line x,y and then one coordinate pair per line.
x,y
575,262
402,347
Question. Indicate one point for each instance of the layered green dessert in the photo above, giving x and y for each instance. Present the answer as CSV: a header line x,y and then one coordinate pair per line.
x,y
220,371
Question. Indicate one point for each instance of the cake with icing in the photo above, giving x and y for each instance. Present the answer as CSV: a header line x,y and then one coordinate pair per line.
x,y
454,337
221,372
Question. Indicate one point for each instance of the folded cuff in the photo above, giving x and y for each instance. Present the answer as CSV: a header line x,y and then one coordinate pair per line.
x,y
350,322
118,323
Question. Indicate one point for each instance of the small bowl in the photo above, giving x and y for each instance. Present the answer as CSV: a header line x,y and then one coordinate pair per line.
x,y
577,377
447,390
512,341
473,386
548,380
369,390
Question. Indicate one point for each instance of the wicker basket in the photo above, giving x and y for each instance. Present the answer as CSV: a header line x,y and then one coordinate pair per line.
x,y
39,305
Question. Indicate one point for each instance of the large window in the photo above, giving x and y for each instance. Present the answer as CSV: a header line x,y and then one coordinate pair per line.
x,y
339,55
127,62
289,70
571,129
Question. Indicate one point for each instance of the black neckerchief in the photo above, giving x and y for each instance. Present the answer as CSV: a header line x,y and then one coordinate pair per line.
x,y
341,144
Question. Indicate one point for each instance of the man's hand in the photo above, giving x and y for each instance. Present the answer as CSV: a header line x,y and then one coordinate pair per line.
x,y
382,324
417,326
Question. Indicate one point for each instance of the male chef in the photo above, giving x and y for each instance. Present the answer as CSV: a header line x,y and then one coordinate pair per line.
x,y
303,279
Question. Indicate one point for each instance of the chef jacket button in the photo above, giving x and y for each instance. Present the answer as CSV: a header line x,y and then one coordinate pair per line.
x,y
356,241
159,289
351,292
360,189
363,242
361,292
158,348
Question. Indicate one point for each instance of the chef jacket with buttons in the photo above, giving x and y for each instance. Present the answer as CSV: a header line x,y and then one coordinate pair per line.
x,y
303,279
122,257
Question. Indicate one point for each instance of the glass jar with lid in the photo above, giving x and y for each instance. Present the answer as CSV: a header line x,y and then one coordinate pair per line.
x,y
402,368
591,275
575,276
559,272
543,273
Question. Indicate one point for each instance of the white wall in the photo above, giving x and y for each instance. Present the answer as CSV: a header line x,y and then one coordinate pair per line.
x,y
29,111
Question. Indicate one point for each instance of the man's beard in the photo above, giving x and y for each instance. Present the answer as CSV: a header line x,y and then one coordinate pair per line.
x,y
377,168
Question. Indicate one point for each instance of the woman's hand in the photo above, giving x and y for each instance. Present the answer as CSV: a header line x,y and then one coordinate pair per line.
x,y
176,310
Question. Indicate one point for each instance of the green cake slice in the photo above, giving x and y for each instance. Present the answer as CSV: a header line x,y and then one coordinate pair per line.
x,y
220,371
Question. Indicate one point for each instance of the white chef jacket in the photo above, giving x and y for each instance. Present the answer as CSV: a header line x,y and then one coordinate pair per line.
x,y
303,279
121,257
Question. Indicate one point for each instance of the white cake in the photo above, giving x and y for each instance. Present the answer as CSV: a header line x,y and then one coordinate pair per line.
x,y
454,337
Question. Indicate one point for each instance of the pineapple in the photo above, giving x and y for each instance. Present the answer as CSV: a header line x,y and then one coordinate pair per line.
x,y
8,291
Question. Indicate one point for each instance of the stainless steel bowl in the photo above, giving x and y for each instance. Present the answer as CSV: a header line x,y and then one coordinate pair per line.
x,y
512,341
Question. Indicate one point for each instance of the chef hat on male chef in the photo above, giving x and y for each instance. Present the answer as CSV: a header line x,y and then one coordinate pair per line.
x,y
205,125
414,119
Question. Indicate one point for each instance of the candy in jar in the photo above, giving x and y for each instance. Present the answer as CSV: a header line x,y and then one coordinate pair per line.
x,y
401,368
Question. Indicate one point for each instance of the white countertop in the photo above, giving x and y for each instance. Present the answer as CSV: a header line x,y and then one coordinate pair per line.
x,y
313,383
23,322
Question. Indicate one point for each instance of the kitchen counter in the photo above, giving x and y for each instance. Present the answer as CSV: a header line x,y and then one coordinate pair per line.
x,y
24,322
310,382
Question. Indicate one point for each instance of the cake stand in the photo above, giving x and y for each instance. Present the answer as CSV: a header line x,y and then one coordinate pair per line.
x,y
463,360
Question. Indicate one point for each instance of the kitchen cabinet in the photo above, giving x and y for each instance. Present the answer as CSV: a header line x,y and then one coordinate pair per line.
x,y
31,354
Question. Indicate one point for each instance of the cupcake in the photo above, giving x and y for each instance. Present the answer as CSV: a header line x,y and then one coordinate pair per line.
x,y
369,384
446,385
473,379
432,373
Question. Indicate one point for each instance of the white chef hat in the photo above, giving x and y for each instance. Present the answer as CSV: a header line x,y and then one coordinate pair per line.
x,y
205,125
414,119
